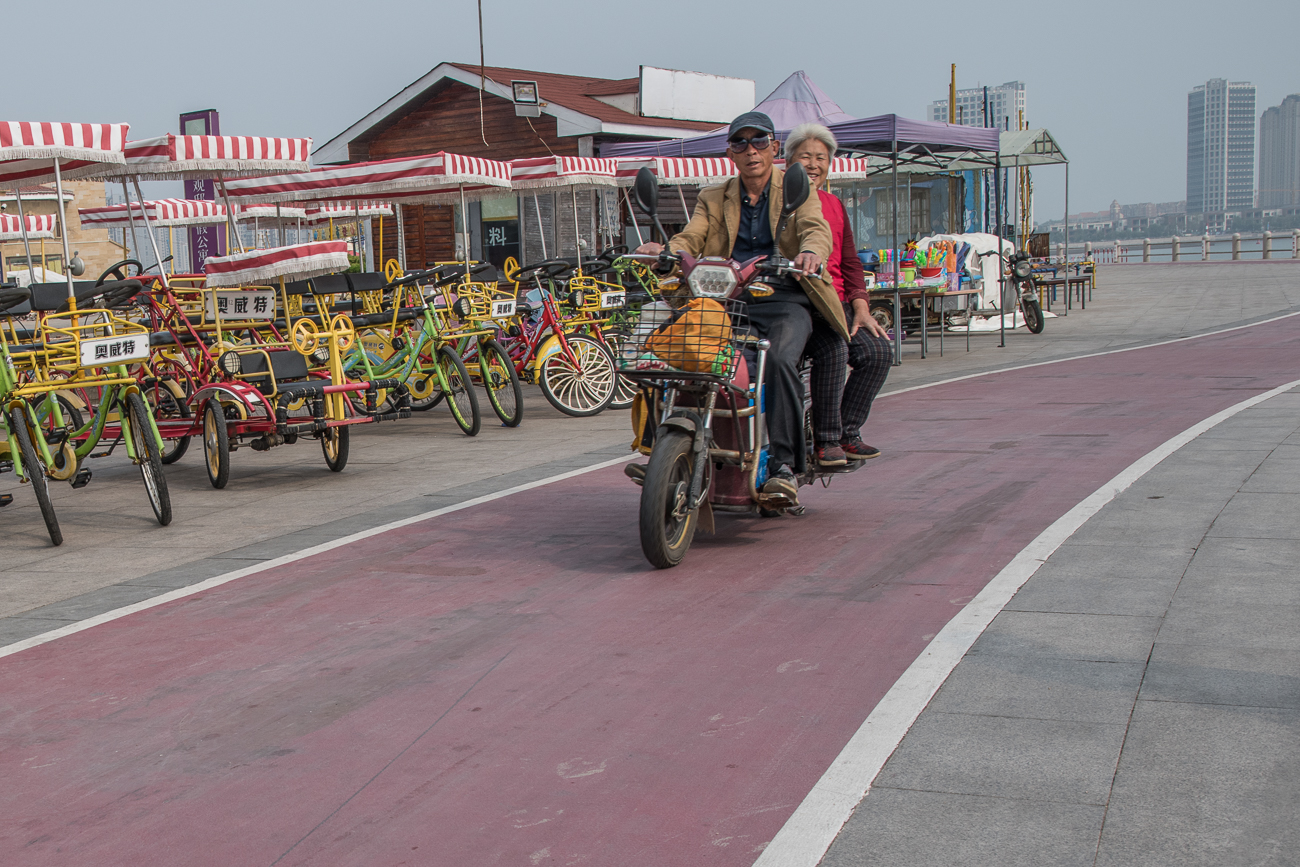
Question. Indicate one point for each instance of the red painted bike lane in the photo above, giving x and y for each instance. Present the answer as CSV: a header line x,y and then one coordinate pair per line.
x,y
511,684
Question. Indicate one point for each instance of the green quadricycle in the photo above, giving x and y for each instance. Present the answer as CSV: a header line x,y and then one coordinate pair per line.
x,y
67,387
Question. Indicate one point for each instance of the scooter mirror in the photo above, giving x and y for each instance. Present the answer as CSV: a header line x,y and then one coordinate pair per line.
x,y
795,189
646,191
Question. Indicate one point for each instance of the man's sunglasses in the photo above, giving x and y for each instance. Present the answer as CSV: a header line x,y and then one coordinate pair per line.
x,y
760,143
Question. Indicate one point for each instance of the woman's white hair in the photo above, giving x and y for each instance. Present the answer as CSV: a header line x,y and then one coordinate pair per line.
x,y
805,131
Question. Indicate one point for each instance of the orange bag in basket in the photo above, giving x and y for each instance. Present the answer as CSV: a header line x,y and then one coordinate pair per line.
x,y
697,341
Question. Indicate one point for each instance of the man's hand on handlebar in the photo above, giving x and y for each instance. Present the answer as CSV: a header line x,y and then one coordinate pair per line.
x,y
807,263
650,248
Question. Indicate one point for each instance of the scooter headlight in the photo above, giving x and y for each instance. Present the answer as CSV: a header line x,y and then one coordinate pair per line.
x,y
712,281
1022,269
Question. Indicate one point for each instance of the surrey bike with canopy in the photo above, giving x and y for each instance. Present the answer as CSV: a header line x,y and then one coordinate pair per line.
x,y
264,381
701,371
247,381
71,337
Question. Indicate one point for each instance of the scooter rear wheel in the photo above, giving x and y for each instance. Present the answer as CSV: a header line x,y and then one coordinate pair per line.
x,y
667,529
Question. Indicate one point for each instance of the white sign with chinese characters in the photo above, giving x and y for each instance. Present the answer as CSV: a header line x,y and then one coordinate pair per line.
x,y
609,300
503,309
239,304
103,351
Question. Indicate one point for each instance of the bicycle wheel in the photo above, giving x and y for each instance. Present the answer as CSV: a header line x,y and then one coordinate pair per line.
x,y
167,400
461,398
334,443
34,471
216,444
501,382
582,391
149,456
624,389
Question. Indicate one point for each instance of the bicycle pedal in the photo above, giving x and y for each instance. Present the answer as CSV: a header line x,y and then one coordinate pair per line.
x,y
81,478
6,499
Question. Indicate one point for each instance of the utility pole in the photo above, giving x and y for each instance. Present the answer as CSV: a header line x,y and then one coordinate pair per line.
x,y
953,225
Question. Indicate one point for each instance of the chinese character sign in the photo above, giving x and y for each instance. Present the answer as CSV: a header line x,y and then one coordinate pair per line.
x,y
205,241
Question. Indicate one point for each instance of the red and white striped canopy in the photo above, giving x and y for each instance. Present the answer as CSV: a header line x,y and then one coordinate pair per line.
x,y
674,171
297,261
539,172
432,179
28,150
703,171
268,212
38,226
168,157
162,212
345,211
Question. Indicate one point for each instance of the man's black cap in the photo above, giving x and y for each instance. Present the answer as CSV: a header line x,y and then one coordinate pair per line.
x,y
751,120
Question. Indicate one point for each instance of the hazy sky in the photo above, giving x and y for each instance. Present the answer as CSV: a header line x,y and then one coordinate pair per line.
x,y
1109,79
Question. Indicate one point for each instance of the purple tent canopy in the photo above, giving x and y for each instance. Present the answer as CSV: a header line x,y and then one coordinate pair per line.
x,y
865,135
878,135
798,100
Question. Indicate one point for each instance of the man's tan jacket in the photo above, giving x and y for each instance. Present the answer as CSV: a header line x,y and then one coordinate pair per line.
x,y
713,227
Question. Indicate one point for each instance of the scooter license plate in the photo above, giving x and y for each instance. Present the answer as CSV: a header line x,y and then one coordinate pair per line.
x,y
503,309
611,299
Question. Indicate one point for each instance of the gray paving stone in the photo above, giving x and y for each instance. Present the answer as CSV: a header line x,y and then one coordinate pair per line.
x,y
1253,677
95,602
1082,555
1033,759
1211,785
1036,688
15,629
185,575
900,828
1260,516
1243,571
1095,591
1237,625
1278,474
1096,637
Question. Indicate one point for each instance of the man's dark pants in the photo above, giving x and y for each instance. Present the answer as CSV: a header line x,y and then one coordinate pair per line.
x,y
788,326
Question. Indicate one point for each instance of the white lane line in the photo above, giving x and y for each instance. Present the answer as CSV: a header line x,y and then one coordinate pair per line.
x,y
1087,355
218,580
809,832
227,577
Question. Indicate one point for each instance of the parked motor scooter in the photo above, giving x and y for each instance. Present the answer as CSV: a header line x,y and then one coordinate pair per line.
x,y
701,377
1022,281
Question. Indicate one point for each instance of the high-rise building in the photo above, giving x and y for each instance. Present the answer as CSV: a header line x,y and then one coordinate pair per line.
x,y
1220,147
1279,154
1006,103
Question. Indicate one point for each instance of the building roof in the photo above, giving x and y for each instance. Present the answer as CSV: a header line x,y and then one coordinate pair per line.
x,y
570,99
39,192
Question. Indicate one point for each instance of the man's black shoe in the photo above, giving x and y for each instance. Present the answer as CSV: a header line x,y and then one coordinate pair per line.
x,y
782,485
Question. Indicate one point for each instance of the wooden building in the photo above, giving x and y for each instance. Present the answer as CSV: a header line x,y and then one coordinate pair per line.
x,y
452,108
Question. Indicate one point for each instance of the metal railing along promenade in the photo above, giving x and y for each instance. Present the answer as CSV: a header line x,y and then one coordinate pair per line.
x,y
1190,248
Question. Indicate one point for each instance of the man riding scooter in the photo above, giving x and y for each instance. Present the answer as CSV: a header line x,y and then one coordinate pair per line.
x,y
735,220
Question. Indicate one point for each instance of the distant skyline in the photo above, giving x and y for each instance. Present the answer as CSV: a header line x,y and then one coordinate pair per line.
x,y
1110,81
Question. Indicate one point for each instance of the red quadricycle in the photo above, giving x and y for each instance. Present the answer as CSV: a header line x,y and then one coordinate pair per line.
x,y
244,364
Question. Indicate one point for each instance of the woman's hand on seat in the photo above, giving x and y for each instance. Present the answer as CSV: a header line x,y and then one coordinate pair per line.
x,y
862,318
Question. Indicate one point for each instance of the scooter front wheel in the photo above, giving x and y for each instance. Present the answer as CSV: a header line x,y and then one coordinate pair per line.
x,y
667,525
1033,315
